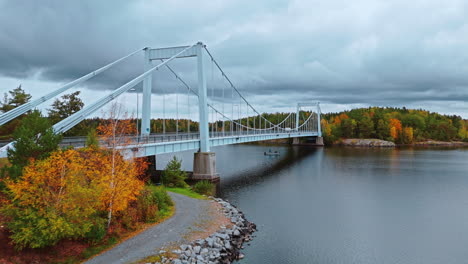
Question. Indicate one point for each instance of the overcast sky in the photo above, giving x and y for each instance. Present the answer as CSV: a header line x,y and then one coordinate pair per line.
x,y
343,53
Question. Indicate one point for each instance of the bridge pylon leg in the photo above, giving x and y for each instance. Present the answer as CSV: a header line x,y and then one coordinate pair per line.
x,y
146,108
202,102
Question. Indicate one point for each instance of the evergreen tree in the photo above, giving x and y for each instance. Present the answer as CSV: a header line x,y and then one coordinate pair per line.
x,y
366,127
382,129
34,139
64,108
68,105
349,127
17,97
92,139
173,176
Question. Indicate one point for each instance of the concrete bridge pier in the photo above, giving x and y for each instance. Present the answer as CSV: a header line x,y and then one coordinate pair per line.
x,y
319,141
311,141
204,166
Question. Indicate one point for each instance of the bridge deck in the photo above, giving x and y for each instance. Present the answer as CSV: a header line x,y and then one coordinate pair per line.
x,y
174,142
162,147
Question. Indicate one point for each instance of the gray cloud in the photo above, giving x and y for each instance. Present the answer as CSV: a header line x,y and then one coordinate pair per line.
x,y
360,52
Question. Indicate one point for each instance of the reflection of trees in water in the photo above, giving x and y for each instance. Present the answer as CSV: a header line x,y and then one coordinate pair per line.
x,y
258,174
357,152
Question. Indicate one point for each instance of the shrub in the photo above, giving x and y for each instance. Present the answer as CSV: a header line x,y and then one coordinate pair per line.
x,y
129,217
152,203
161,198
147,206
97,232
173,175
92,139
204,187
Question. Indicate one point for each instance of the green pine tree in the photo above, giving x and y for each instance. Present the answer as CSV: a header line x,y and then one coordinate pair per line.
x,y
173,175
34,139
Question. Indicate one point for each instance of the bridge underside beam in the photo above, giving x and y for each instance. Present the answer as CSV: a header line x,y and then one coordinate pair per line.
x,y
252,138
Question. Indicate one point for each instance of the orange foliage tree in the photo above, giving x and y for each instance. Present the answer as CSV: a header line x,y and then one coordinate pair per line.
x,y
395,128
341,117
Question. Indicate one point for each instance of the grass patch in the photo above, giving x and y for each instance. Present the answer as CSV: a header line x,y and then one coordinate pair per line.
x,y
94,250
150,259
186,192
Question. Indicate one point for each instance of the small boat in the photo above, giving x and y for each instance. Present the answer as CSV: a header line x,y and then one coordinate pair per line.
x,y
271,153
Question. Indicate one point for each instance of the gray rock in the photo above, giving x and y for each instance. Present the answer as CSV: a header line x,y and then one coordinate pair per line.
x,y
210,242
183,247
217,245
227,245
196,249
222,236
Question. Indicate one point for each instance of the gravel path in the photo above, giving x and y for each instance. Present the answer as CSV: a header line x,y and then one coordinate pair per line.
x,y
189,213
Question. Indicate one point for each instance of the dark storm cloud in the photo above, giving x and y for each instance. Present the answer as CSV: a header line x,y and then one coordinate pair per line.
x,y
342,52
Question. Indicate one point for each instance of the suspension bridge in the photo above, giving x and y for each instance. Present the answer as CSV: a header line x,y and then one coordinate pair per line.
x,y
222,113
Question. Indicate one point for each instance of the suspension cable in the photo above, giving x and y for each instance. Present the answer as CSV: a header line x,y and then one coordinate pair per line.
x,y
232,85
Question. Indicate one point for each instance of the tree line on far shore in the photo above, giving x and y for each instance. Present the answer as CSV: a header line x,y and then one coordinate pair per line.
x,y
399,125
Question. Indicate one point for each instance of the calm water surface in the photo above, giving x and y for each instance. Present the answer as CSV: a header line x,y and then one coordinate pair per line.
x,y
348,205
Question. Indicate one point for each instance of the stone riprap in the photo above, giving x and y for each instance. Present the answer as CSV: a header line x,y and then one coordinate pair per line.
x,y
221,247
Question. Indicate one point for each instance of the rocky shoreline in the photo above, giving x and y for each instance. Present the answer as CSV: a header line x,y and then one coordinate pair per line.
x,y
435,143
357,142
221,247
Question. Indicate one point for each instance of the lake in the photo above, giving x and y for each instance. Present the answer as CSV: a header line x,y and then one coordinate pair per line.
x,y
348,205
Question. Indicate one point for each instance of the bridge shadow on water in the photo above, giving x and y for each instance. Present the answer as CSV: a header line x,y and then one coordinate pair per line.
x,y
242,178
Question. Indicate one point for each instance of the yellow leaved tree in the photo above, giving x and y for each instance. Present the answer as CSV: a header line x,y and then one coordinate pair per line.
x,y
54,200
118,177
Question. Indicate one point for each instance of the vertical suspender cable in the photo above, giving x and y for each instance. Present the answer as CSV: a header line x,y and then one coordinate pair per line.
x,y
232,111
223,110
177,111
164,113
188,111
